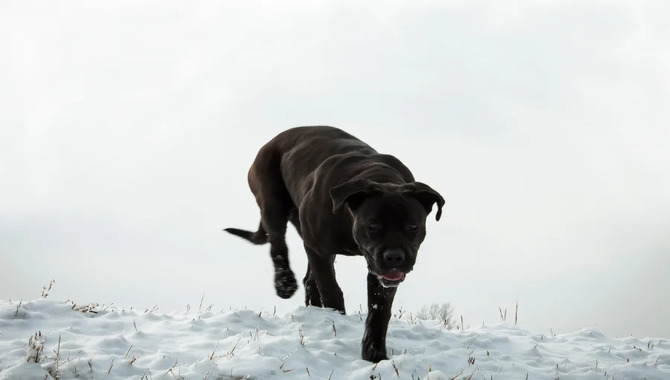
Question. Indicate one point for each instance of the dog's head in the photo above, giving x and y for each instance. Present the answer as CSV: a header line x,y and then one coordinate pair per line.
x,y
389,223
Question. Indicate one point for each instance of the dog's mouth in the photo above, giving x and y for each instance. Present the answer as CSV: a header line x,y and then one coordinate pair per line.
x,y
391,278
394,275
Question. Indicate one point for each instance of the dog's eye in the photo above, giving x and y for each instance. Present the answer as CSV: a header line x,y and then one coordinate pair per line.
x,y
374,226
412,227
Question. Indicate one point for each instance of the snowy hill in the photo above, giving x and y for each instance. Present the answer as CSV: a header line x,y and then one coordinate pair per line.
x,y
89,341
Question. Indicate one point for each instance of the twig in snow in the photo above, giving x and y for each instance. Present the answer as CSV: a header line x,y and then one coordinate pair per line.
x,y
503,316
45,290
231,352
16,315
211,357
170,370
455,377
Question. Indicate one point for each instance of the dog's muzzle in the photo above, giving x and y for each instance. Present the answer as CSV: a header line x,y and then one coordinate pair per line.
x,y
390,268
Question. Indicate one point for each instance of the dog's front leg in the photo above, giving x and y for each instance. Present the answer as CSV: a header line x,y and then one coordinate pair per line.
x,y
380,301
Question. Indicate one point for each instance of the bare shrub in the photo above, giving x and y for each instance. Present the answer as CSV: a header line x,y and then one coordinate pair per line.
x,y
442,312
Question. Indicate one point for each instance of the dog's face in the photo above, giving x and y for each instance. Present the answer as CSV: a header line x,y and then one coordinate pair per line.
x,y
389,228
389,223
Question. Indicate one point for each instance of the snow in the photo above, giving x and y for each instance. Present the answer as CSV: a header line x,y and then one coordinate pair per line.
x,y
92,341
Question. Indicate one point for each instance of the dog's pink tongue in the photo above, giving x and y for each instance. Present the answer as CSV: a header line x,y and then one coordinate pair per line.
x,y
393,275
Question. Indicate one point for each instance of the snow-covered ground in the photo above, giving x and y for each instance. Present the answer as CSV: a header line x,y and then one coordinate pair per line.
x,y
90,341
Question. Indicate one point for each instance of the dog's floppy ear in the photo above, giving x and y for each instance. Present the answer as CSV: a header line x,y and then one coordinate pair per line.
x,y
426,195
352,193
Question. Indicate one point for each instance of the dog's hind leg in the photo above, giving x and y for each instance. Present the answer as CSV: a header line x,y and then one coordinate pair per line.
x,y
312,296
285,282
274,216
272,197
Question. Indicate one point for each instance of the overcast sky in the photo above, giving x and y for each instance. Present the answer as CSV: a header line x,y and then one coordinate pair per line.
x,y
127,129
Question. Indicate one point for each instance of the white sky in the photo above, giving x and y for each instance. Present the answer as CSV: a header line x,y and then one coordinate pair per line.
x,y
127,129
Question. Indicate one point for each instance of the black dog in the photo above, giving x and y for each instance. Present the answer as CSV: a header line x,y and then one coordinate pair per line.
x,y
343,198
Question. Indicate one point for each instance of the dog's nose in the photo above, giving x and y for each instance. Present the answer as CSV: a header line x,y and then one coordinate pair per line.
x,y
394,257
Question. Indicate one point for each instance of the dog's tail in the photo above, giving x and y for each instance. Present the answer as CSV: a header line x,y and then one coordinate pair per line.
x,y
258,237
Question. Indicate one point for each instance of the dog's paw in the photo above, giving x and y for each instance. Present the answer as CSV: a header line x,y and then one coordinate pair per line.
x,y
372,353
285,283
